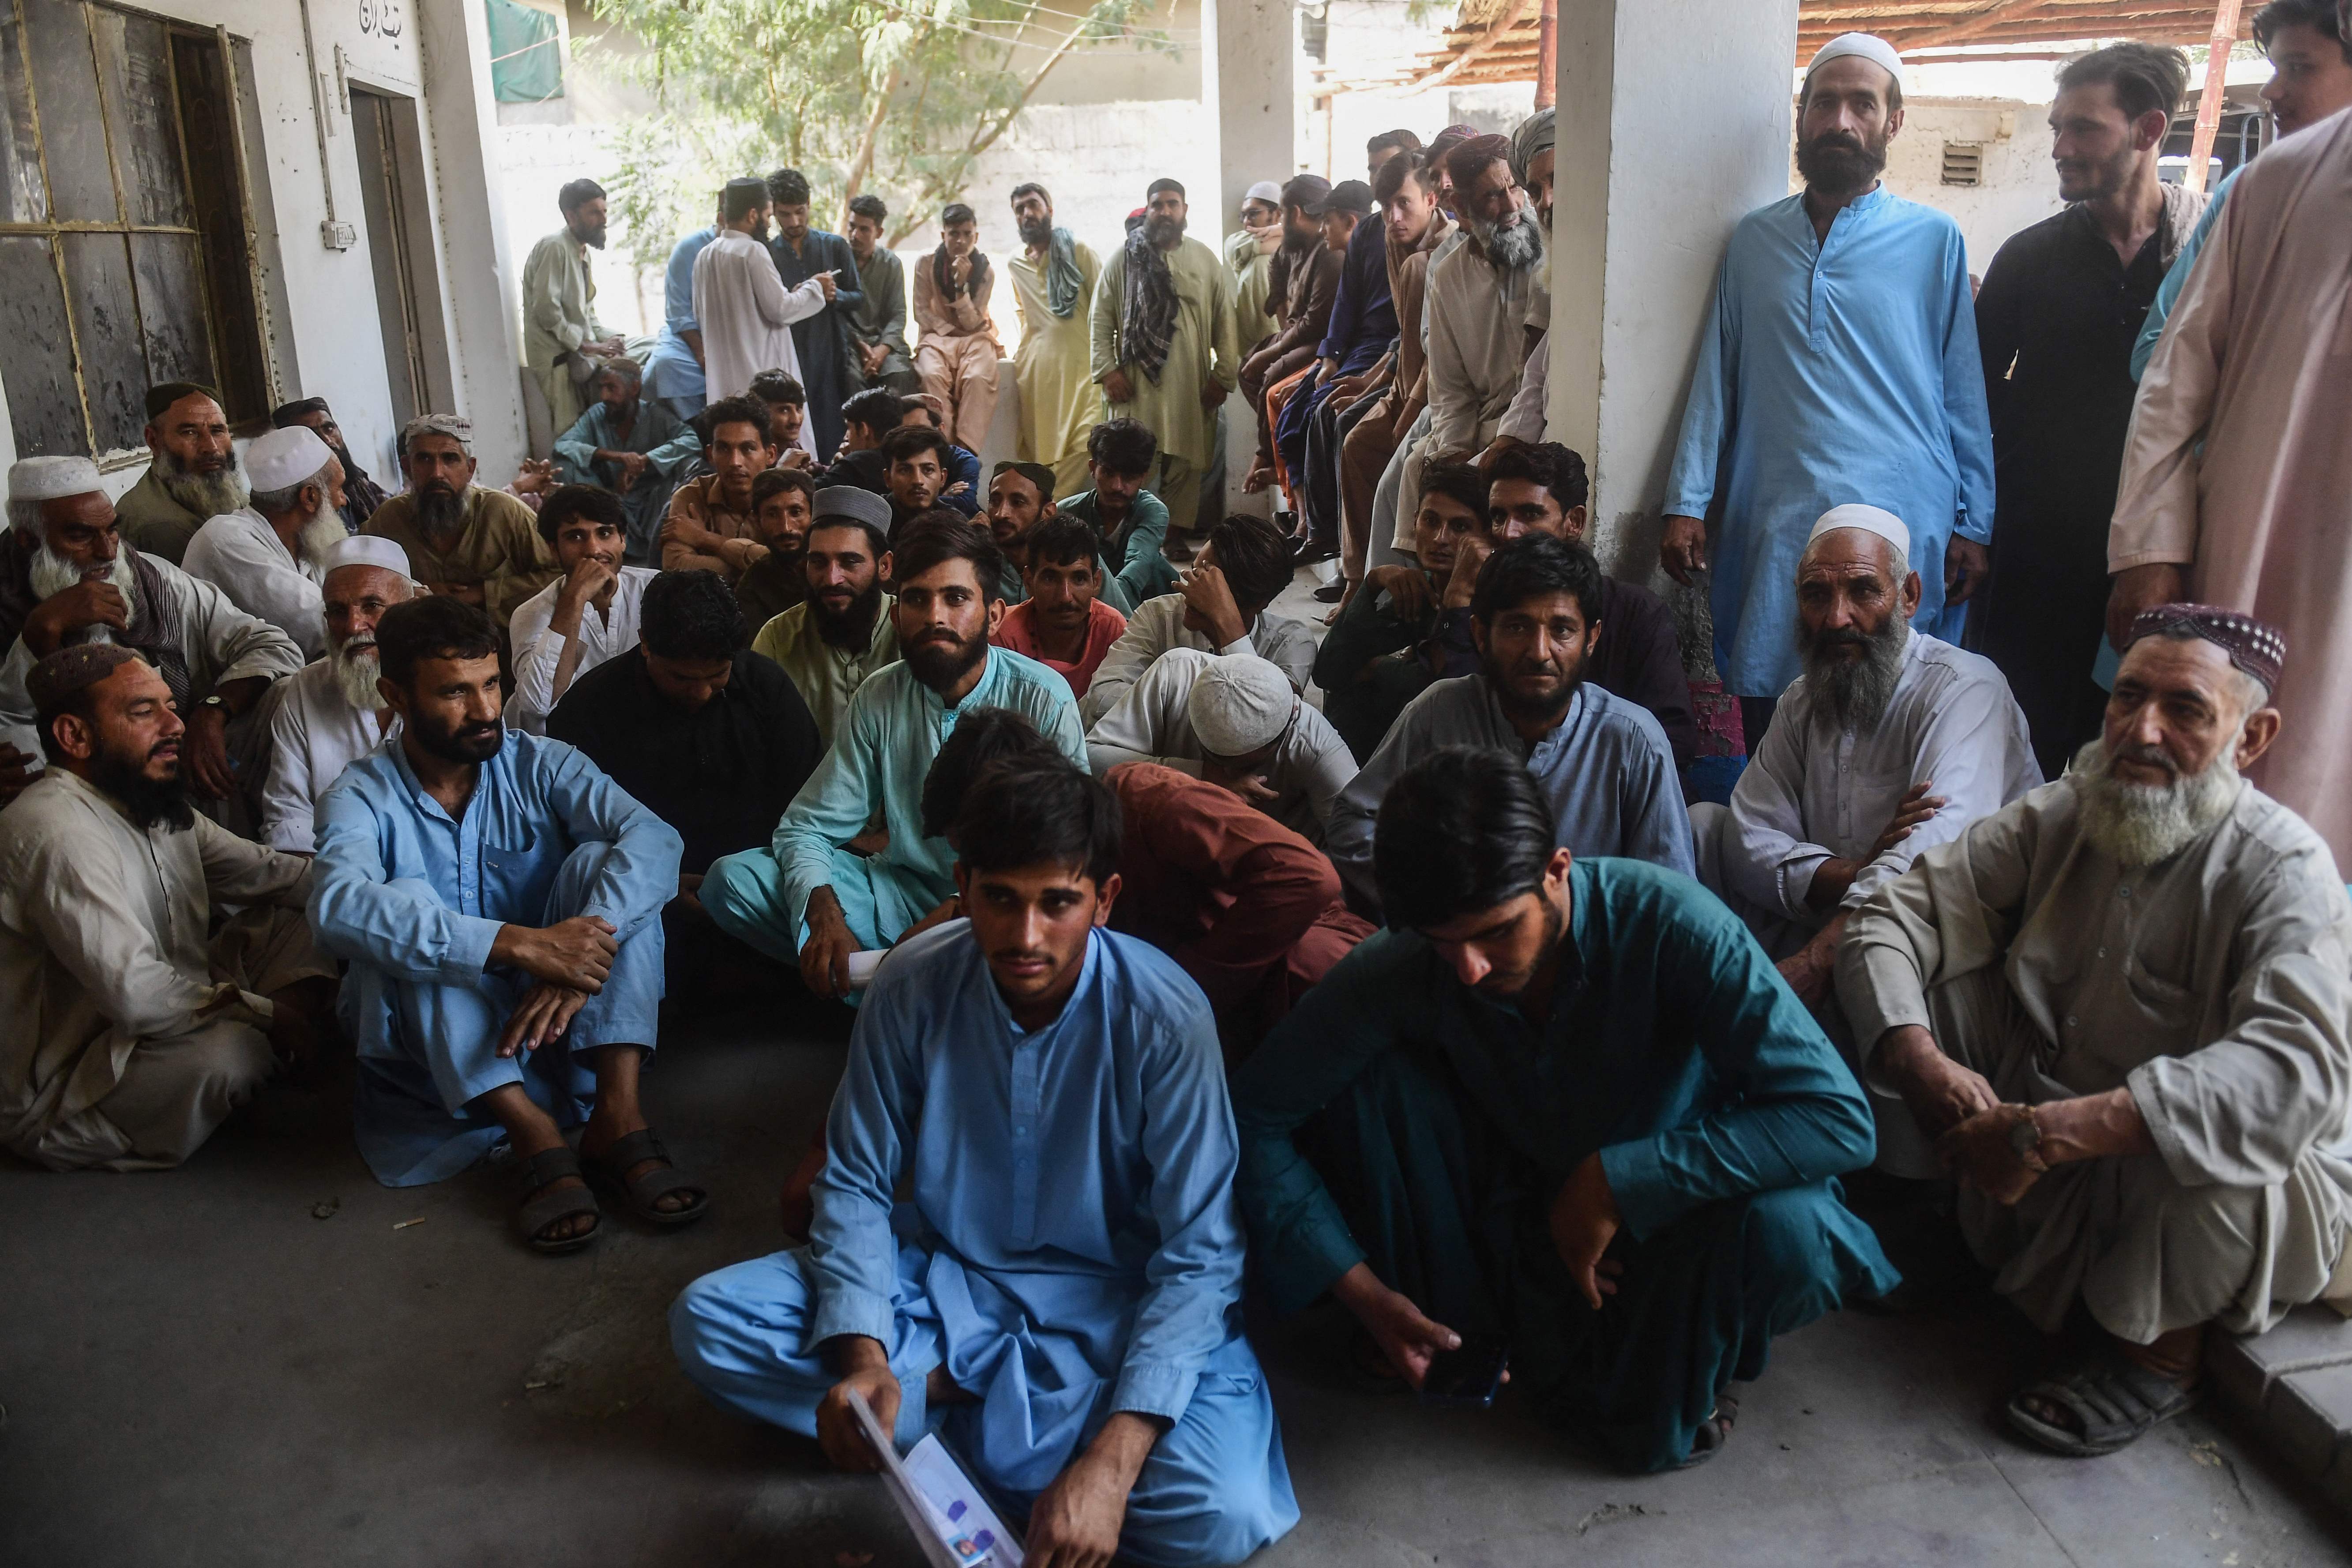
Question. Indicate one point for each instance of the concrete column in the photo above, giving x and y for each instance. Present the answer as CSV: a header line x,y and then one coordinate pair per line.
x,y
1645,203
1249,51
480,282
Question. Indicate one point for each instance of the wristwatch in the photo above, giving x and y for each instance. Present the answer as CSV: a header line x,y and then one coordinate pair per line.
x,y
215,704
2025,1142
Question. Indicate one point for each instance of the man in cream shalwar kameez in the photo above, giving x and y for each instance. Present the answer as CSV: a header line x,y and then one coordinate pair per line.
x,y
2237,478
747,313
1053,367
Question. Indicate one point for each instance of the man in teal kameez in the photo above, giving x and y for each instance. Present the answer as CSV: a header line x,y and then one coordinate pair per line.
x,y
634,447
1566,1102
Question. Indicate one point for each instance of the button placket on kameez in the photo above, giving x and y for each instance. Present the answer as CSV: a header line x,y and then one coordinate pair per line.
x,y
1025,1098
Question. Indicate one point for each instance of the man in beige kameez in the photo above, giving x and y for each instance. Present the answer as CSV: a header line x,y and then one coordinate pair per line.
x,y
479,546
712,524
561,339
131,1036
956,349
1053,280
2237,477
1249,253
1167,357
2119,1006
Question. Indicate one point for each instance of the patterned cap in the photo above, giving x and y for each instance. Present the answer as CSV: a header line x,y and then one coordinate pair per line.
x,y
457,427
2259,650
69,670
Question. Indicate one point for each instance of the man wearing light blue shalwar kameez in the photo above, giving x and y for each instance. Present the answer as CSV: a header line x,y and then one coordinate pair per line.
x,y
1070,1248
1835,370
670,448
881,753
414,901
673,374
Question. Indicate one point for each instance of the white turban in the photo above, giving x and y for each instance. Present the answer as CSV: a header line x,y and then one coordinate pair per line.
x,y
46,479
366,550
281,459
1867,46
1870,520
1240,704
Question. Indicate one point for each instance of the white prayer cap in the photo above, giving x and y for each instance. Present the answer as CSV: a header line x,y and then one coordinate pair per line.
x,y
1263,191
1870,520
1868,45
1239,703
366,550
46,479
283,459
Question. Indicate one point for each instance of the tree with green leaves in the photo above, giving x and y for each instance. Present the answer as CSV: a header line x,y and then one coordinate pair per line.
x,y
859,95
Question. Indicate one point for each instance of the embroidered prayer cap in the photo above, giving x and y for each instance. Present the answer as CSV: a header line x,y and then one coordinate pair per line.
x,y
854,504
1239,703
280,460
1037,474
1870,520
46,479
53,682
366,550
2258,649
1867,45
1265,190
457,427
159,398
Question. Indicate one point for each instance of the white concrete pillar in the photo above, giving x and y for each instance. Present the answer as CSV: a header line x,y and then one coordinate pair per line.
x,y
1249,51
1645,201
479,280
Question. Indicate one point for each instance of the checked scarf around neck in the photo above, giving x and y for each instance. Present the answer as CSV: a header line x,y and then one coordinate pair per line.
x,y
155,629
1147,322
1063,281
943,274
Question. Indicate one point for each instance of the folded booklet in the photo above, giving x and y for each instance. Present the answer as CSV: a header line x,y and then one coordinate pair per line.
x,y
950,1517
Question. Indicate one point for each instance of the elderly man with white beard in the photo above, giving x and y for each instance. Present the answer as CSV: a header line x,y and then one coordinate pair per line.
x,y
192,471
2119,1006
269,555
331,714
1892,741
67,576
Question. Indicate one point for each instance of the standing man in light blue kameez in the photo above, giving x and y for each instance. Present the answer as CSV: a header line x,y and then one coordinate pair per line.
x,y
674,370
1843,367
1060,1298
499,901
810,897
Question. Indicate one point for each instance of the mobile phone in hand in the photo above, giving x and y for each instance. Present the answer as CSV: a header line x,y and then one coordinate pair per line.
x,y
1471,1375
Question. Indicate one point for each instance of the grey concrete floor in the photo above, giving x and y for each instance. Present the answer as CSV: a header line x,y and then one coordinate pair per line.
x,y
199,1370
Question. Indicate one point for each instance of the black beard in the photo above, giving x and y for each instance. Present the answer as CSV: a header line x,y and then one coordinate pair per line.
x,y
146,801
1516,707
462,743
440,514
939,664
854,627
595,237
1164,232
1037,231
1837,165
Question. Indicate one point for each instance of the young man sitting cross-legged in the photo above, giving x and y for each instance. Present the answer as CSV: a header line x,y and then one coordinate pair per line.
x,y
1565,1102
499,901
1060,1295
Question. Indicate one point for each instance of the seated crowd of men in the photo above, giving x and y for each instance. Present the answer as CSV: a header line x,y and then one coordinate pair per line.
x,y
1395,972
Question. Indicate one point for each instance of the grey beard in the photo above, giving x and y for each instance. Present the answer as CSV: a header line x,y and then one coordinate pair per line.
x,y
1510,248
206,495
2139,824
320,535
52,574
357,666
1858,691
440,514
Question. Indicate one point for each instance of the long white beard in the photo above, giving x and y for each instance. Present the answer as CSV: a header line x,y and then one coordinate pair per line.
x,y
320,535
2139,824
1514,247
52,574
206,495
357,666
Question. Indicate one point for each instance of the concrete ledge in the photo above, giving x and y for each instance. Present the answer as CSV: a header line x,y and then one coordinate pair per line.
x,y
2294,1385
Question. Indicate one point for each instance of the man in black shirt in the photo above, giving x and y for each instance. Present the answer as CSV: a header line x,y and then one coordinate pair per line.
x,y
713,738
2062,305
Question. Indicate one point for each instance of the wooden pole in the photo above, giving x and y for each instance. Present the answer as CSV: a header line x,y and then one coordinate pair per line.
x,y
1546,53
2208,102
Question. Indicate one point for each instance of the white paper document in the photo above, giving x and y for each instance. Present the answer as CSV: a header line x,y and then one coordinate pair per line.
x,y
950,1520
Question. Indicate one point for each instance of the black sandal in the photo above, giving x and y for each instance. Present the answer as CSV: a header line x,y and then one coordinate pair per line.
x,y
545,1205
2117,1400
1713,1433
644,1192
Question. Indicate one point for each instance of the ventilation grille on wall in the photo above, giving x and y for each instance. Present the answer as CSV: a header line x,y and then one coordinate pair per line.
x,y
1964,163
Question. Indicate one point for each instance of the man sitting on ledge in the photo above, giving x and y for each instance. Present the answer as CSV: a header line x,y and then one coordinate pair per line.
x,y
1564,1102
1061,1292
2118,1004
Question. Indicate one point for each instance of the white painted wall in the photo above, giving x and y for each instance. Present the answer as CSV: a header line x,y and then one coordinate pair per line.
x,y
2020,186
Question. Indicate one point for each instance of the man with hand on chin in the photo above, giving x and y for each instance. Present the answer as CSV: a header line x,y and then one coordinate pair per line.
x,y
500,901
585,617
1606,1132
1070,1320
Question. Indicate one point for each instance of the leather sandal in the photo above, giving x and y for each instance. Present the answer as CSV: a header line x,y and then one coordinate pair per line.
x,y
544,1206
2116,1400
644,1192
